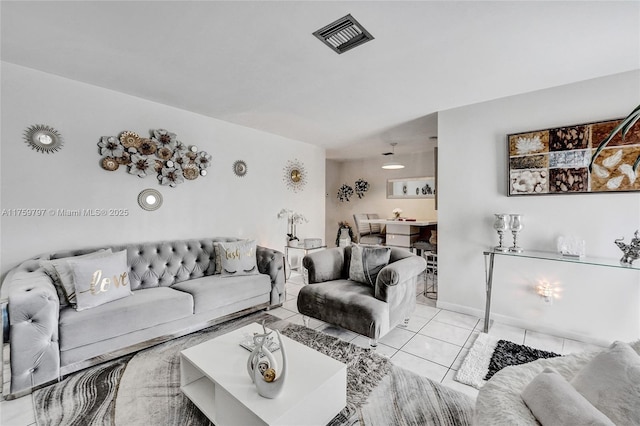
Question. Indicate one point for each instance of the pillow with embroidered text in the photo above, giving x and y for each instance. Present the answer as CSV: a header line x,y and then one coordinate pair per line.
x,y
100,280
238,258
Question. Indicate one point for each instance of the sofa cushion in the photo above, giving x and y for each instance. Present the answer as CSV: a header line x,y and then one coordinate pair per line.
x,y
611,382
238,258
145,308
553,401
214,291
366,263
347,304
61,274
100,280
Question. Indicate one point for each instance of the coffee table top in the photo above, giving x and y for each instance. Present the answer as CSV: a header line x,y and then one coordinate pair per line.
x,y
224,361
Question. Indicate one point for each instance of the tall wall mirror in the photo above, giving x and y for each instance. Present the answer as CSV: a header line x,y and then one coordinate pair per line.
x,y
417,187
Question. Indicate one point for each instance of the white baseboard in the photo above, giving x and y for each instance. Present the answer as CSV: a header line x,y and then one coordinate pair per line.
x,y
520,323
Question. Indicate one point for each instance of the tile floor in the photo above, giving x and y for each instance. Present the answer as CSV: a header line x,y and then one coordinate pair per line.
x,y
433,345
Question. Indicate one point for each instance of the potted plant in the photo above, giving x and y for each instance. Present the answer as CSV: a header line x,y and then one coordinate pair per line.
x,y
293,219
344,231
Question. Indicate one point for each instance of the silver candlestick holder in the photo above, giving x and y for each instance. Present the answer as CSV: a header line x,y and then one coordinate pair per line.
x,y
501,225
516,226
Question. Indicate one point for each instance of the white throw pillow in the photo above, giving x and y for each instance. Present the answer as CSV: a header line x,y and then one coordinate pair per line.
x,y
61,273
238,258
553,401
611,382
101,280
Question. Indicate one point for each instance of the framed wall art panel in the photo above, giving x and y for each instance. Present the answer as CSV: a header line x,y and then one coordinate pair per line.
x,y
564,160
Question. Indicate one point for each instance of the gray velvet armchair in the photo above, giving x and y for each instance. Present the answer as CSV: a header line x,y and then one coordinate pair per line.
x,y
371,311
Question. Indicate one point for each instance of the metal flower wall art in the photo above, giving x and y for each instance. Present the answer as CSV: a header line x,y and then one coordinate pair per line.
x,y
362,186
161,155
345,192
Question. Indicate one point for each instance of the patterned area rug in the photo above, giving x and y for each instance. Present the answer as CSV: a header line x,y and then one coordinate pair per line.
x,y
144,389
488,355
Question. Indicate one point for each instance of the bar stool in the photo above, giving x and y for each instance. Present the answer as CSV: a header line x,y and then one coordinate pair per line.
x,y
431,275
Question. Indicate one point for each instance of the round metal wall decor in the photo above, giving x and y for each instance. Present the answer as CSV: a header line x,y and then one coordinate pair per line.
x,y
43,138
160,154
240,168
150,199
295,175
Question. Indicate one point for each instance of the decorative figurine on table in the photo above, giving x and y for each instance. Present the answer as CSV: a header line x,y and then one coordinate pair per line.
x,y
630,251
264,373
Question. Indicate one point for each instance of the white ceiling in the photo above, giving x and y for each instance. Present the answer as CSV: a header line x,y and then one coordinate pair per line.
x,y
258,65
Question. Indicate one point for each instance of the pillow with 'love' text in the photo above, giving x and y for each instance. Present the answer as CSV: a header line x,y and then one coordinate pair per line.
x,y
100,280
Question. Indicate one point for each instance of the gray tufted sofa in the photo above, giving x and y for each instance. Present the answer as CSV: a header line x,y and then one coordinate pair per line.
x,y
175,292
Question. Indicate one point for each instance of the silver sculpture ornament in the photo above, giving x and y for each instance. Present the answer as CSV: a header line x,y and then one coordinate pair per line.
x,y
255,363
630,251
271,383
264,373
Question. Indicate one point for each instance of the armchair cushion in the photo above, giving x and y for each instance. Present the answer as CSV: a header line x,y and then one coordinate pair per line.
x,y
347,304
366,263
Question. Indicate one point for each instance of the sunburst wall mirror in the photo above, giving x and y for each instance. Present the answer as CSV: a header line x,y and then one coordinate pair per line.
x,y
295,175
240,168
43,138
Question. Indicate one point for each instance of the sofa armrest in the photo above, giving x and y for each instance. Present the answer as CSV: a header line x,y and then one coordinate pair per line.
x,y
395,274
324,265
271,262
33,314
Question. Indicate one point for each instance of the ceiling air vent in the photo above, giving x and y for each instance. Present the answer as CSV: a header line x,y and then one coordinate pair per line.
x,y
343,34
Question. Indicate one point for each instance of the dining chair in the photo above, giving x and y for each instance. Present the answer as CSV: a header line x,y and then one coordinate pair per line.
x,y
368,233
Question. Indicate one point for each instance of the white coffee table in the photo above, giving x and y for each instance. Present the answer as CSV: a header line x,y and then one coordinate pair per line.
x,y
214,376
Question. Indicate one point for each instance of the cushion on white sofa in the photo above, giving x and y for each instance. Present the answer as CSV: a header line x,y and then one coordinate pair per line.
x,y
238,258
212,292
611,382
146,308
100,280
553,401
61,274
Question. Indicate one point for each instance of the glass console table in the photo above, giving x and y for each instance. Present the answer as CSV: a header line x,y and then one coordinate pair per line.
x,y
490,255
298,265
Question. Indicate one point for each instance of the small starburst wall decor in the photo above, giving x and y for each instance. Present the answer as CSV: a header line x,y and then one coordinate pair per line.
x,y
295,175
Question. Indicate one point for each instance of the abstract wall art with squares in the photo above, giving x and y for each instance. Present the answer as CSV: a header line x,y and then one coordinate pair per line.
x,y
564,160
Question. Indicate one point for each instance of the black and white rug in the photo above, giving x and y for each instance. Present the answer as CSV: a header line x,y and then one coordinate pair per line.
x,y
144,389
489,354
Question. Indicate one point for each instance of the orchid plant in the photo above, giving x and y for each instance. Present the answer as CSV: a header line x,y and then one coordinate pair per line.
x,y
293,219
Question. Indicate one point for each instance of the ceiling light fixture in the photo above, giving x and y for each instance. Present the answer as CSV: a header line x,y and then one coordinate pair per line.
x,y
393,164
343,34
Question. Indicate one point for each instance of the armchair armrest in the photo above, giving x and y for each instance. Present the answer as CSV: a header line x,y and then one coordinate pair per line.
x,y
324,265
271,262
33,311
395,274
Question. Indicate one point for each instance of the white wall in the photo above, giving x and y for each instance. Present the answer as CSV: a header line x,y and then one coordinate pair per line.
x,y
597,303
219,204
375,200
